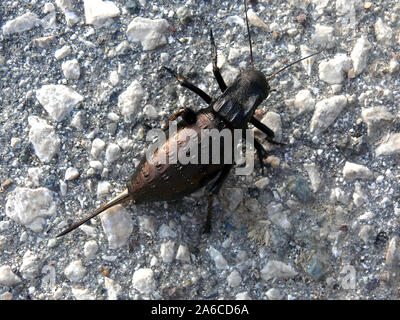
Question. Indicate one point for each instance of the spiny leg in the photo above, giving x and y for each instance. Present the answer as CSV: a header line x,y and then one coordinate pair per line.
x,y
187,84
213,192
216,71
261,153
188,115
264,129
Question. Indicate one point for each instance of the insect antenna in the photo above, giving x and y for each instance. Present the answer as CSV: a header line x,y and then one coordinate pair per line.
x,y
291,64
248,32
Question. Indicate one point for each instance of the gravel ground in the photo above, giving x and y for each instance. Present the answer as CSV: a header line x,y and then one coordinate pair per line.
x,y
81,85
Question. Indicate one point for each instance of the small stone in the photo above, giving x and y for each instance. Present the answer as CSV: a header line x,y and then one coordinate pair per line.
x,y
167,251
353,171
129,100
314,176
393,253
359,55
34,174
390,146
393,66
315,268
103,188
71,174
326,111
113,153
30,266
71,69
90,249
234,279
184,15
219,260
113,288
28,206
333,70
366,234
243,296
274,294
63,52
82,294
7,277
383,33
255,20
97,146
150,111
143,281
262,183
147,224
323,36
150,33
307,63
367,5
58,100
232,197
43,138
166,232
304,102
376,119
97,12
117,225
299,187
114,77
75,271
276,269
183,253
273,121
20,24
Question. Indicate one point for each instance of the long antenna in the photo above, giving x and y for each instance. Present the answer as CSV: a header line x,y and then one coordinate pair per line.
x,y
248,32
289,65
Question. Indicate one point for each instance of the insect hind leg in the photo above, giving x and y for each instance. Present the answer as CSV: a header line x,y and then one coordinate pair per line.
x,y
216,71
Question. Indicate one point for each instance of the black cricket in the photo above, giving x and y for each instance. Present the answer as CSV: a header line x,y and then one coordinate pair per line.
x,y
233,109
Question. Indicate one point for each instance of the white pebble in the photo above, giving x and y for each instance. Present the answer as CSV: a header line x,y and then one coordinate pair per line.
x,y
62,52
274,294
71,174
97,146
326,111
234,279
90,249
20,24
28,206
276,269
113,288
58,100
147,224
353,171
383,32
97,12
390,146
166,232
167,251
129,100
304,102
219,260
150,111
323,36
71,69
262,183
114,77
359,55
113,152
7,277
332,71
30,266
75,271
150,33
117,225
243,296
103,188
143,281
255,20
183,253
43,138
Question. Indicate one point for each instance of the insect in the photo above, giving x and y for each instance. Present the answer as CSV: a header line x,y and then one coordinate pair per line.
x,y
232,110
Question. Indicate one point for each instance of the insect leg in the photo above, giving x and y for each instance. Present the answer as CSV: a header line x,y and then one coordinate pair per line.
x,y
216,71
187,84
188,115
264,129
214,191
261,153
